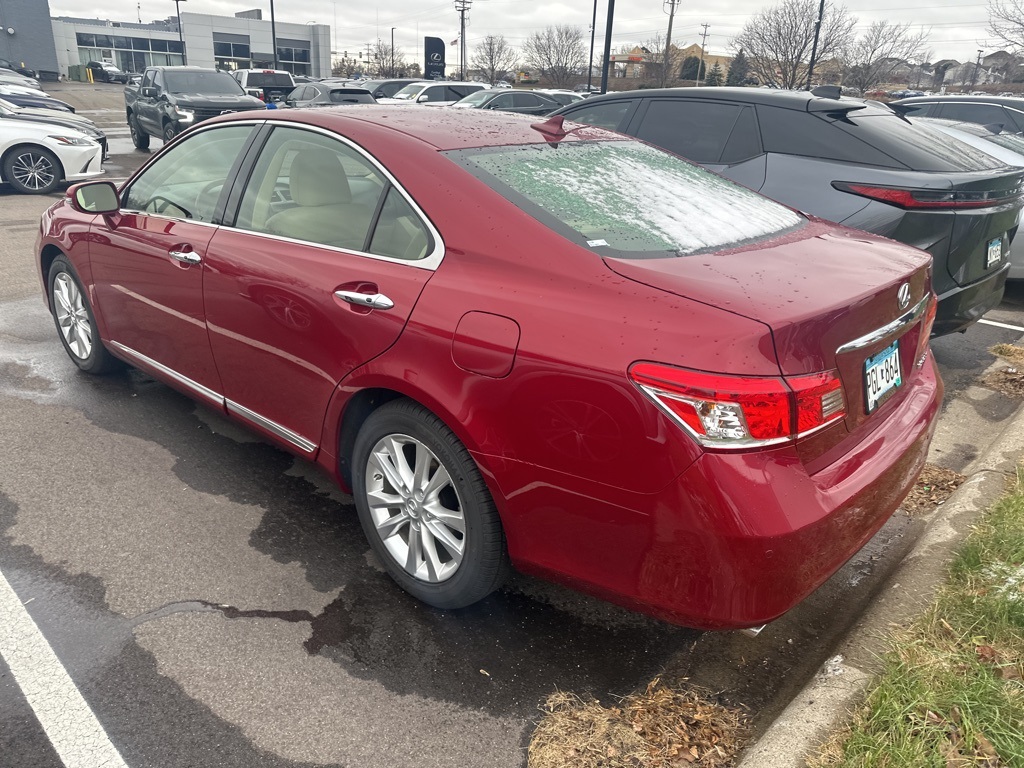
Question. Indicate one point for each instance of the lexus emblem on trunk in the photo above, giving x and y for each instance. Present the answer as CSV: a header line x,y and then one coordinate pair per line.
x,y
903,295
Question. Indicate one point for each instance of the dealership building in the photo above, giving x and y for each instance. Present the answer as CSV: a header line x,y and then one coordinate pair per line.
x,y
242,41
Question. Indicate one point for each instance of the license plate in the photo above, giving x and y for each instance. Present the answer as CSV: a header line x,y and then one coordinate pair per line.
x,y
882,375
995,252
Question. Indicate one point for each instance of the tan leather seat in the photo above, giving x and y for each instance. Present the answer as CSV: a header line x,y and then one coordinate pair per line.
x,y
323,212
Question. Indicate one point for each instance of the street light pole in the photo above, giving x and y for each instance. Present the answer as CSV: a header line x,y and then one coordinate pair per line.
x,y
814,47
273,32
607,46
392,52
181,38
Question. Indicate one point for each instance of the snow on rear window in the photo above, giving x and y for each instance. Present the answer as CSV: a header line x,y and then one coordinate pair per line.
x,y
632,197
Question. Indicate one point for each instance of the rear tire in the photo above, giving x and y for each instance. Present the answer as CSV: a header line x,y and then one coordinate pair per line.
x,y
139,137
432,523
76,324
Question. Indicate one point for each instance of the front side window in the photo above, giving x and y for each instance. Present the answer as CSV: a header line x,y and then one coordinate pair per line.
x,y
186,181
586,191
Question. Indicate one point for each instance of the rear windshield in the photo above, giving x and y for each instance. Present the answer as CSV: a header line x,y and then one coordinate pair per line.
x,y
269,79
350,96
914,146
593,193
213,83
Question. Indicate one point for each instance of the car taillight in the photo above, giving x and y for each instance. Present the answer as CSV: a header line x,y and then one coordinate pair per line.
x,y
736,412
929,198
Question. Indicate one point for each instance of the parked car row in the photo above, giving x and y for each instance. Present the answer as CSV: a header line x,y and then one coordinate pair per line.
x,y
42,141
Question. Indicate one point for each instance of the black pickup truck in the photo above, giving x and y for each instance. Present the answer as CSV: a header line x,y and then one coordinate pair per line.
x,y
170,99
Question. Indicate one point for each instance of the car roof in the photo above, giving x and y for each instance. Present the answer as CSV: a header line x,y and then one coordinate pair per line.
x,y
779,98
440,128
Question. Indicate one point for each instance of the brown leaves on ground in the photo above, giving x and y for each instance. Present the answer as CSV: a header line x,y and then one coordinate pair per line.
x,y
662,727
959,751
1009,381
933,487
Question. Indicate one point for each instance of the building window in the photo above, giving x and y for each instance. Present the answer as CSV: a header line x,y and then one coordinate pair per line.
x,y
130,54
231,52
293,56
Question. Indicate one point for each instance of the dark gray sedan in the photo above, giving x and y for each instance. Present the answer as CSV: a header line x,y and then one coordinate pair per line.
x,y
850,161
520,102
327,95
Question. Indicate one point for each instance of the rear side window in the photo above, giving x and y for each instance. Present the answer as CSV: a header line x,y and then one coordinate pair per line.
x,y
700,130
586,191
456,92
793,132
610,114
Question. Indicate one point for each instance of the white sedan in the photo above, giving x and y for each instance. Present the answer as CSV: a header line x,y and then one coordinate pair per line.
x,y
36,157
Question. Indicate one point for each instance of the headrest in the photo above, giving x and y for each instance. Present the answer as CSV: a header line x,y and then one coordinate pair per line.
x,y
317,178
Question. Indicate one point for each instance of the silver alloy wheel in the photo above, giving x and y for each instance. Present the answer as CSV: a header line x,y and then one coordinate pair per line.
x,y
33,170
415,508
72,316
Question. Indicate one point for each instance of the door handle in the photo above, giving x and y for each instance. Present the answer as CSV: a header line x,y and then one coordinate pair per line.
x,y
185,257
371,300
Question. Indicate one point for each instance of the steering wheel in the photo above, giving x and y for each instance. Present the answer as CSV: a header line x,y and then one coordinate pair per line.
x,y
216,184
160,204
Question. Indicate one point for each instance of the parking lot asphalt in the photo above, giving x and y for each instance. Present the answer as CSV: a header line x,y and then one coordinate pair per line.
x,y
214,602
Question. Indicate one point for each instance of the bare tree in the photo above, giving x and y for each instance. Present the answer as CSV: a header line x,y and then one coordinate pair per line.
x,y
873,58
558,53
1006,21
495,58
386,61
778,40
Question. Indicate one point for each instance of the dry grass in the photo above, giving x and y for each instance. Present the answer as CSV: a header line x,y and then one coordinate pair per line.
x,y
1010,380
663,727
932,488
1009,352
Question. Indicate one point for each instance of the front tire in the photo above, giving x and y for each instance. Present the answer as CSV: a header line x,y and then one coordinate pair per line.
x,y
139,137
425,508
169,132
76,324
33,170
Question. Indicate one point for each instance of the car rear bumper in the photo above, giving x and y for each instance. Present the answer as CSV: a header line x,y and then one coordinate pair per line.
x,y
963,306
738,538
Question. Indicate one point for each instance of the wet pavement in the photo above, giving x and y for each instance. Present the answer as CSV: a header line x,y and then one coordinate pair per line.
x,y
214,601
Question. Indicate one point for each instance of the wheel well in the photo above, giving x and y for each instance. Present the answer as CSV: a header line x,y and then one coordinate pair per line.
x,y
15,148
356,412
46,258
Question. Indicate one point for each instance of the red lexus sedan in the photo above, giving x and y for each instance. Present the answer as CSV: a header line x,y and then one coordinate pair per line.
x,y
564,351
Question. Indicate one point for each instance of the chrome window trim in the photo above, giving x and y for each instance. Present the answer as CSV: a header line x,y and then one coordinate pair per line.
x,y
232,407
430,262
124,187
899,324
271,426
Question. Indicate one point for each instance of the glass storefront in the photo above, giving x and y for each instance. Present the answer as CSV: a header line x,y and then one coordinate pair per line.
x,y
130,54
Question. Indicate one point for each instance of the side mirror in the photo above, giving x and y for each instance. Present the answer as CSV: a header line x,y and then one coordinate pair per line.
x,y
422,98
148,91
94,197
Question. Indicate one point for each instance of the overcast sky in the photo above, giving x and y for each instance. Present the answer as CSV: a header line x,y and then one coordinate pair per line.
x,y
958,27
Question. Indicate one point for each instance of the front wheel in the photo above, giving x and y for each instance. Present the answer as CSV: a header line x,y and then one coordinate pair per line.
x,y
425,508
33,170
169,132
76,324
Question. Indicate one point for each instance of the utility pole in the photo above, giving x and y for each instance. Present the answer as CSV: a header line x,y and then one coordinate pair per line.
x,y
392,52
607,46
590,62
977,66
181,37
462,6
814,47
666,62
369,57
703,41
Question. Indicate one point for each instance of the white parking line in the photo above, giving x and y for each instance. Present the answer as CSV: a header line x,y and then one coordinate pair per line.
x,y
1002,325
71,726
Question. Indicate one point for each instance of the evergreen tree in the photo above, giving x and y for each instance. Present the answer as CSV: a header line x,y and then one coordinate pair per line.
x,y
739,71
715,76
690,67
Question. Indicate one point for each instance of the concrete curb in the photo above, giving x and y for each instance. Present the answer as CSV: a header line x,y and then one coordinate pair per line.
x,y
826,702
